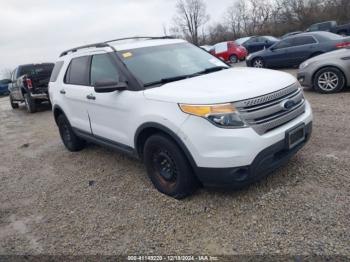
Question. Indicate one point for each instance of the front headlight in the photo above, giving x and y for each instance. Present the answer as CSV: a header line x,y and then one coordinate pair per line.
x,y
221,115
304,65
249,57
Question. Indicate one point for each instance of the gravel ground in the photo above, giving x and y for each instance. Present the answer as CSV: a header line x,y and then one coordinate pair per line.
x,y
101,202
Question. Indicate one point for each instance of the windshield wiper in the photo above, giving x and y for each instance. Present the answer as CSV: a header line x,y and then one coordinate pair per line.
x,y
181,77
211,70
168,80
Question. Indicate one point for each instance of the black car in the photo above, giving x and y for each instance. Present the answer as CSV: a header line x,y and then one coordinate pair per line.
x,y
29,84
256,43
294,50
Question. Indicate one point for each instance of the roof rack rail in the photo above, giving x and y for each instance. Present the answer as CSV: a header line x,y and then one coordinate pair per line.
x,y
140,37
98,45
105,44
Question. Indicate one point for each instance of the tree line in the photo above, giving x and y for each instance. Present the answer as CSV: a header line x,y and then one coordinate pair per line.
x,y
254,17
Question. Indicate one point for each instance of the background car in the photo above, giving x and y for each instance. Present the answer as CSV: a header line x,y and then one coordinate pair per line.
x,y
327,73
291,34
229,52
294,50
4,86
330,26
257,43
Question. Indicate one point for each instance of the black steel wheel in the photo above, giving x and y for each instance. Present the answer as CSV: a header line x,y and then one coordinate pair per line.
x,y
168,168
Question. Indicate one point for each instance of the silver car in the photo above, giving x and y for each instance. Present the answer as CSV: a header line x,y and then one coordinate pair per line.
x,y
327,73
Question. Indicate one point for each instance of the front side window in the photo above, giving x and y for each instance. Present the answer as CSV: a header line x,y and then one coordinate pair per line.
x,y
152,64
103,69
283,44
78,71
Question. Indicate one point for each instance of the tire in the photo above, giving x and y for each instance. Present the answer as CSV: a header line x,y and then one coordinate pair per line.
x,y
30,103
13,104
329,80
233,59
168,168
71,141
258,62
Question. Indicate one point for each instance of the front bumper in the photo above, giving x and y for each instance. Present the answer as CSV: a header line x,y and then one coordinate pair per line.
x,y
304,78
264,163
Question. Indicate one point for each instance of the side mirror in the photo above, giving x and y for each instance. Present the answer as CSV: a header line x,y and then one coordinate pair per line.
x,y
110,86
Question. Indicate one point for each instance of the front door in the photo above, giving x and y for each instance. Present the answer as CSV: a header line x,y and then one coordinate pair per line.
x,y
109,112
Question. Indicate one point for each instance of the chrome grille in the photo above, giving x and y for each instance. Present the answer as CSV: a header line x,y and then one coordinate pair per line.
x,y
267,112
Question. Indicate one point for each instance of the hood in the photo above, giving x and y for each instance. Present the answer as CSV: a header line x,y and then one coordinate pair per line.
x,y
331,55
224,86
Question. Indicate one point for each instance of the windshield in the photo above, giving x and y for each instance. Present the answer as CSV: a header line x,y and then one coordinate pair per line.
x,y
241,41
156,63
272,38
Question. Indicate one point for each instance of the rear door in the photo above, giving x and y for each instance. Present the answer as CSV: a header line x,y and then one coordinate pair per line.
x,y
74,93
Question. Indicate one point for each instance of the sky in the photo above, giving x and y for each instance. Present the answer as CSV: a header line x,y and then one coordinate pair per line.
x,y
34,31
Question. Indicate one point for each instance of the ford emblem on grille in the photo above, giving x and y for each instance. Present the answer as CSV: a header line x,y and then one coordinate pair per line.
x,y
288,104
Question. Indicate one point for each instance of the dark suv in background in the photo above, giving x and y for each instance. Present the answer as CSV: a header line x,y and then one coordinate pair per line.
x,y
29,84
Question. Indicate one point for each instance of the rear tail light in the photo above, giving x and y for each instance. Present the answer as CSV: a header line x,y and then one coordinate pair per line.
x,y
343,45
29,83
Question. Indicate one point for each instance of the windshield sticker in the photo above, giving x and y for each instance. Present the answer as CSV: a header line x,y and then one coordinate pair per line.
x,y
127,55
216,62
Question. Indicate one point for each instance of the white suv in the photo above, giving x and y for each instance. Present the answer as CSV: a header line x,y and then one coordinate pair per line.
x,y
192,119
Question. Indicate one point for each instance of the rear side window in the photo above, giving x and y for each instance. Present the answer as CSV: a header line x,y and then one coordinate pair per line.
x,y
221,48
78,71
56,70
304,40
103,69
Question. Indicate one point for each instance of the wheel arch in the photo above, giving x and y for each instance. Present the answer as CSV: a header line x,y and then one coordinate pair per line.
x,y
57,110
148,129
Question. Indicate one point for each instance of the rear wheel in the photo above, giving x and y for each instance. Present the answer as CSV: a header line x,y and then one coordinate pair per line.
x,y
14,105
30,103
168,168
258,63
233,59
71,141
329,80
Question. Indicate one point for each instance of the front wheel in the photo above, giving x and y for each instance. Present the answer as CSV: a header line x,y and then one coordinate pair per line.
x,y
258,63
13,104
30,103
329,80
168,168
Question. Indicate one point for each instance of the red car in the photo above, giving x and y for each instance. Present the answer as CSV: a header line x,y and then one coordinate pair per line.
x,y
229,51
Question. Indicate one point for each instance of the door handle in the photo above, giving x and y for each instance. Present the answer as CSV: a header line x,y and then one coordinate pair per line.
x,y
91,97
62,91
